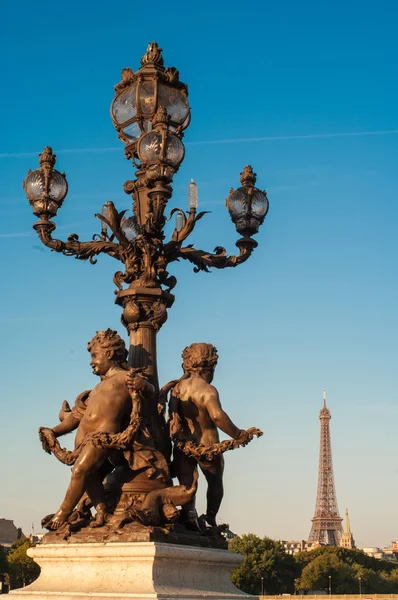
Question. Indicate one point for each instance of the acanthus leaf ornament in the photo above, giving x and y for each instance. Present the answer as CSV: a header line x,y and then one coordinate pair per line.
x,y
128,78
172,76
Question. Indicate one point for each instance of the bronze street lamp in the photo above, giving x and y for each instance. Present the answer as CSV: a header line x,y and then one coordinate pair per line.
x,y
150,111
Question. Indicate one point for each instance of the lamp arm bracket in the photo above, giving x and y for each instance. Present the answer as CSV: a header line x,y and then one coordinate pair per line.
x,y
219,259
73,247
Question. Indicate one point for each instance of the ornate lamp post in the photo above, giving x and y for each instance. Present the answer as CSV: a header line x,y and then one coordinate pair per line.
x,y
121,461
150,111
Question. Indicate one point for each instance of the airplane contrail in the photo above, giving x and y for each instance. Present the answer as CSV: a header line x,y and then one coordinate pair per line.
x,y
295,137
273,138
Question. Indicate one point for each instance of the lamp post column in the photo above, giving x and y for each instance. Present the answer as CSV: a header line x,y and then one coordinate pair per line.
x,y
145,311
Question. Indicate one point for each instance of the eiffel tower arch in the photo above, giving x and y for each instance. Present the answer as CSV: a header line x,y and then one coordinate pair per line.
x,y
326,523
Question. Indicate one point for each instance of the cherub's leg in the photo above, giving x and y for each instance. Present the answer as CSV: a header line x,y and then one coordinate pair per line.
x,y
215,490
96,492
90,459
184,468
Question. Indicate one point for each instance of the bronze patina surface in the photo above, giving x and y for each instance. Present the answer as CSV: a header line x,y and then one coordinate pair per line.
x,y
131,438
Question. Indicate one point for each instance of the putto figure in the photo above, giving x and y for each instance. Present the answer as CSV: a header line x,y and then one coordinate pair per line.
x,y
195,414
113,441
107,419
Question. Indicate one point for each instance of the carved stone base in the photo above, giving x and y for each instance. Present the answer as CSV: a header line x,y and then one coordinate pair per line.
x,y
135,532
143,570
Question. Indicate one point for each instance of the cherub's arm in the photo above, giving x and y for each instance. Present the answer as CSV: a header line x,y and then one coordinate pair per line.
x,y
48,436
70,423
219,416
70,420
136,382
162,400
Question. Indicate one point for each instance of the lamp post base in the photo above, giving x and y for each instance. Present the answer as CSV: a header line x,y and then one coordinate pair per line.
x,y
140,571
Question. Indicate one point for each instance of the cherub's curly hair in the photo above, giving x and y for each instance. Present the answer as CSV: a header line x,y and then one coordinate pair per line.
x,y
110,340
199,357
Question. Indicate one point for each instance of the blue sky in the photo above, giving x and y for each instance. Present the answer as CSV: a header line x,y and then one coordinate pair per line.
x,y
305,92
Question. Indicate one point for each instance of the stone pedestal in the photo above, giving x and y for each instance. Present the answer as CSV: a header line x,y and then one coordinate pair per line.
x,y
142,571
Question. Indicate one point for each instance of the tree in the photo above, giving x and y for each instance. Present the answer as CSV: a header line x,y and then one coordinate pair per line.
x,y
316,574
263,558
345,566
23,570
392,579
3,561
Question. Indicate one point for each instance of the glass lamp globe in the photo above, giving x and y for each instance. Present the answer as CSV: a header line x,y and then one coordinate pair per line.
x,y
134,108
247,205
129,227
139,95
162,152
46,187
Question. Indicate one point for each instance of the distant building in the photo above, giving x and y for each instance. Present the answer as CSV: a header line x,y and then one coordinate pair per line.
x,y
312,545
347,539
292,547
373,551
9,533
35,538
388,553
391,552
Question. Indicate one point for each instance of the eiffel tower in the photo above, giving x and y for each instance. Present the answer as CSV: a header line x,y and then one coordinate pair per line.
x,y
326,524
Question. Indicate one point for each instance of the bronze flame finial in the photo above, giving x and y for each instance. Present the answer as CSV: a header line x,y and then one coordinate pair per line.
x,y
47,157
153,55
247,177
